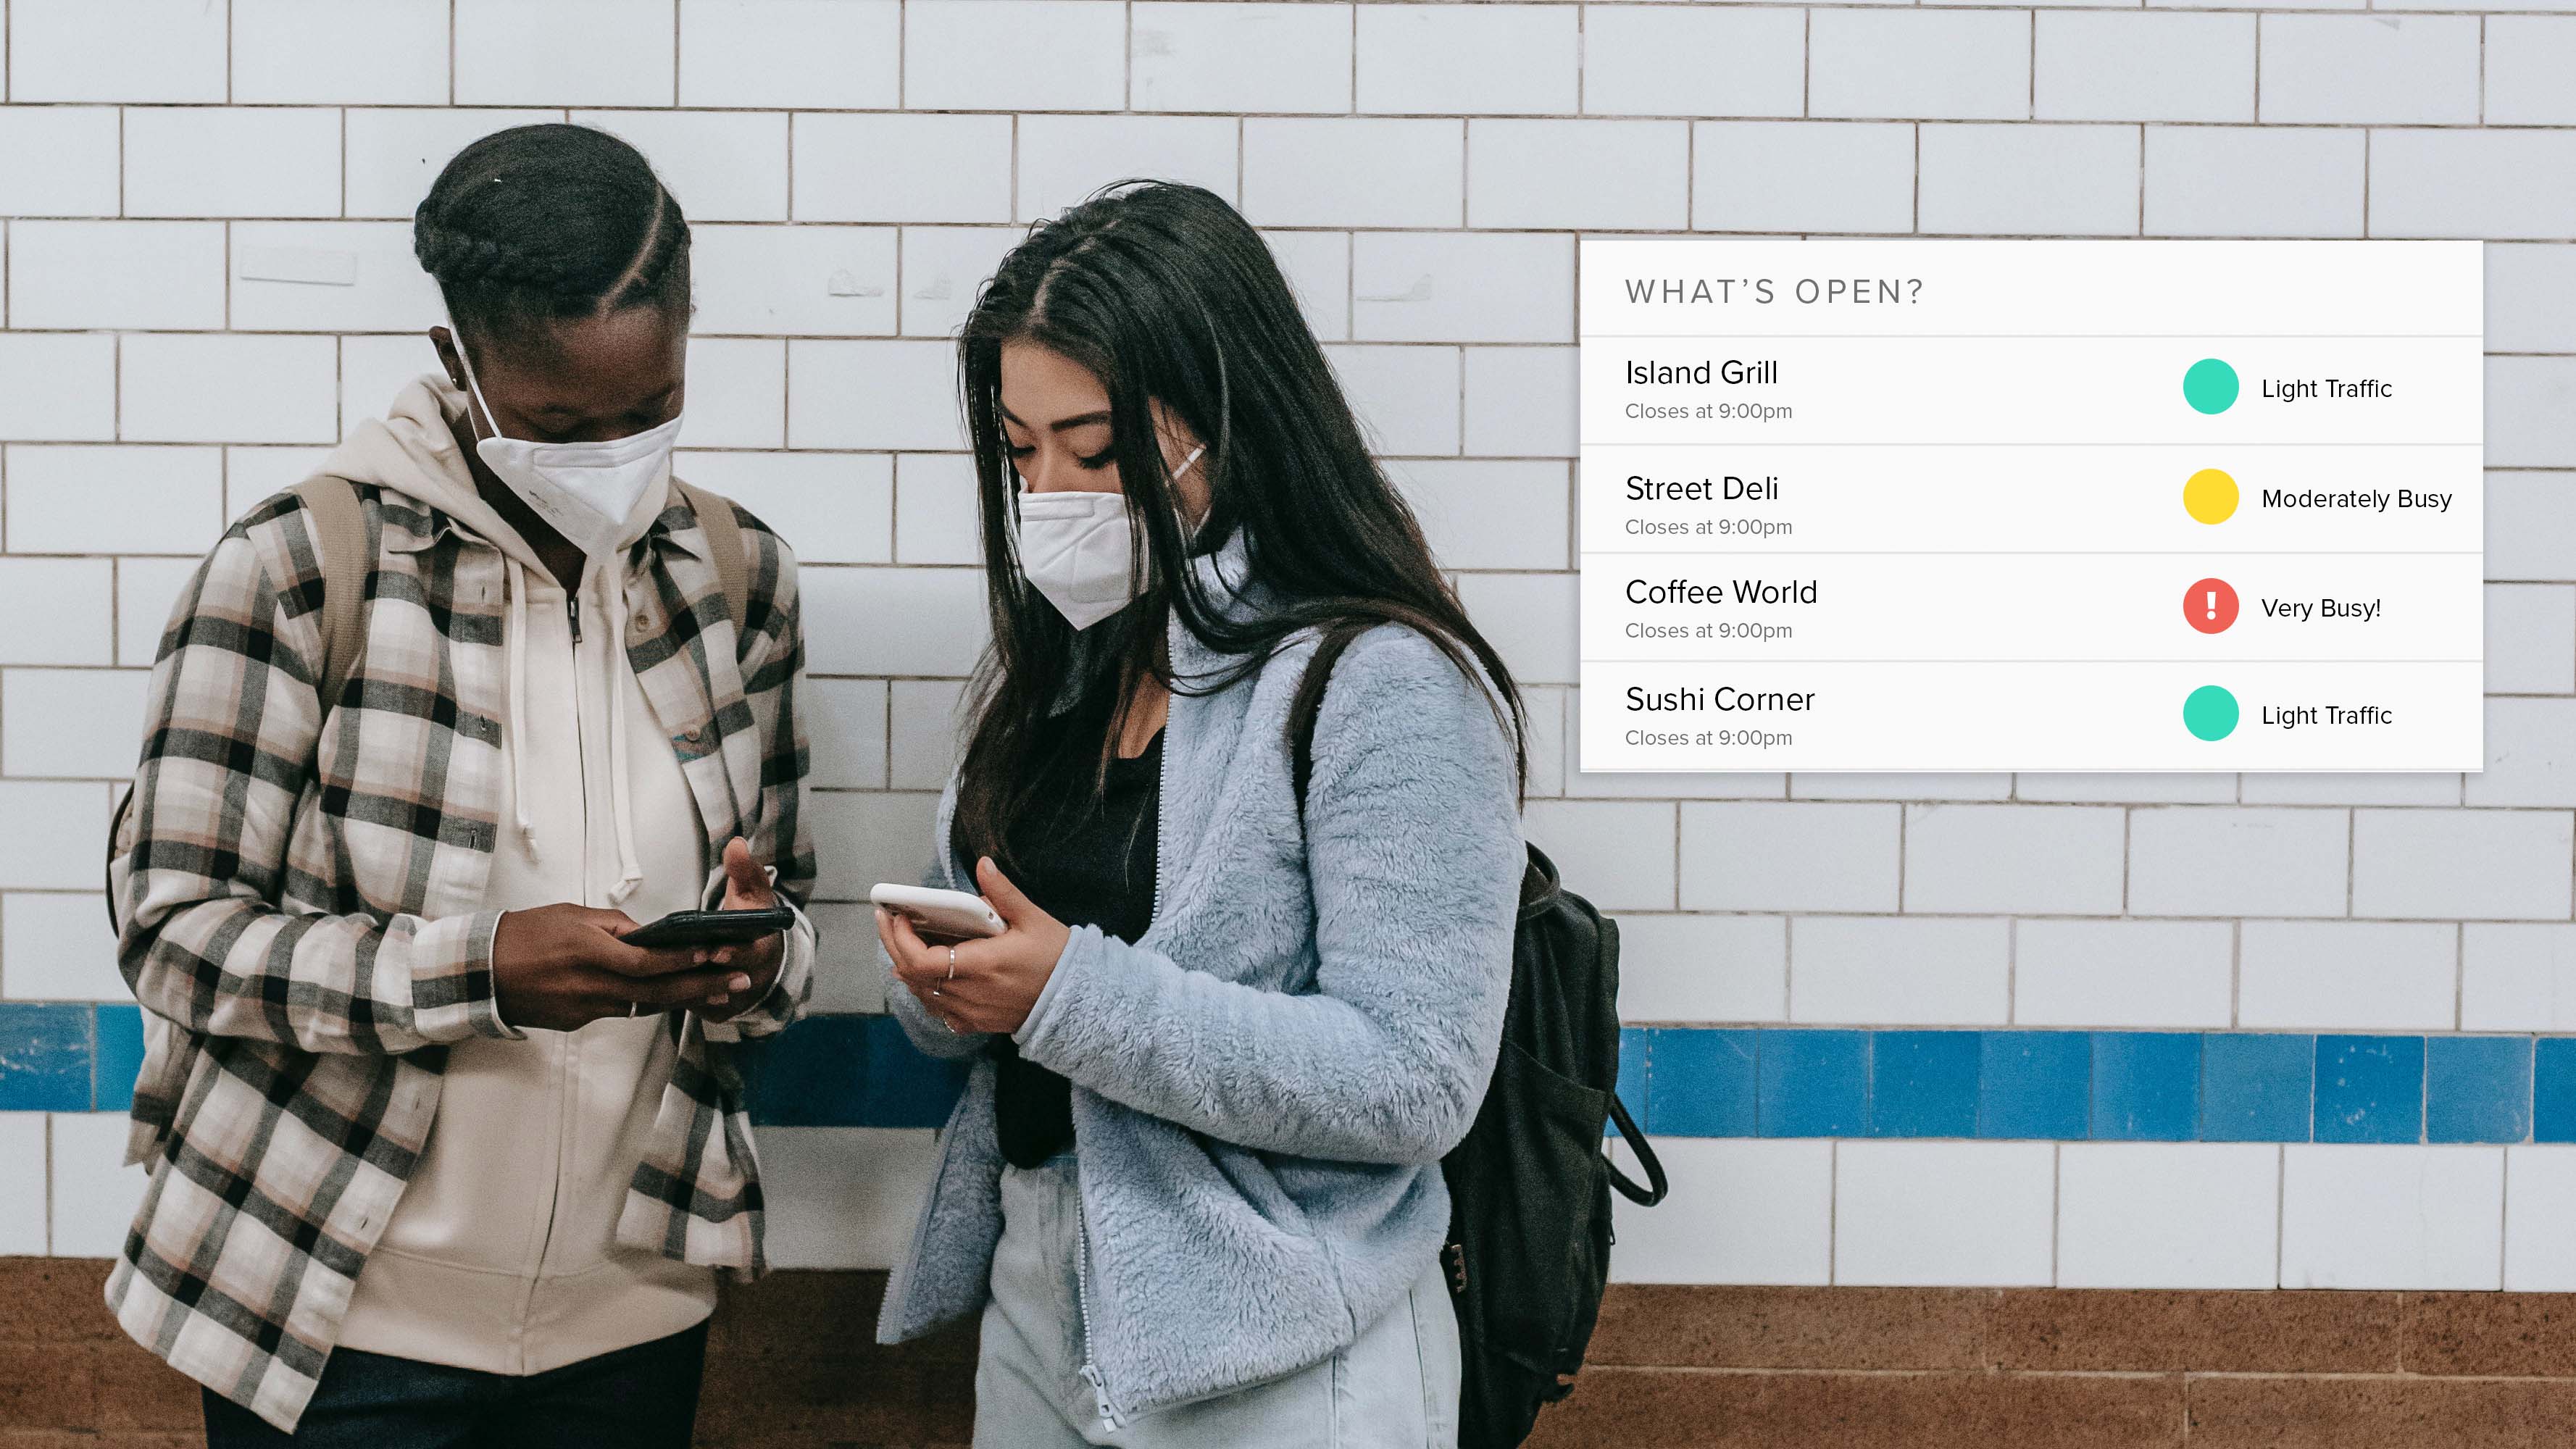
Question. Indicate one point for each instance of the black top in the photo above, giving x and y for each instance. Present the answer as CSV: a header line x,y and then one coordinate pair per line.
x,y
1085,863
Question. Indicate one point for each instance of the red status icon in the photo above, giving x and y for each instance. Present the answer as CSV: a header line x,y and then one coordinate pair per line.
x,y
2210,605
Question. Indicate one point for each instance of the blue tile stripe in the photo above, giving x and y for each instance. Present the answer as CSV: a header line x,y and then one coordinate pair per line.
x,y
2114,1086
2179,1086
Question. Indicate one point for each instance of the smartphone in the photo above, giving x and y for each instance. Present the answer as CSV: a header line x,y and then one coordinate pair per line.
x,y
935,912
711,928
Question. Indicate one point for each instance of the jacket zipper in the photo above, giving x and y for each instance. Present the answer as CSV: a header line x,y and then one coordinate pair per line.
x,y
572,612
1090,1369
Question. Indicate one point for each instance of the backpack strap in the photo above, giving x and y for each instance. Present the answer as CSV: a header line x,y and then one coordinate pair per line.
x,y
724,548
339,529
1309,702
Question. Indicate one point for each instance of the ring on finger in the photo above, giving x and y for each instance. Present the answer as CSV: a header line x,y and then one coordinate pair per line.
x,y
952,966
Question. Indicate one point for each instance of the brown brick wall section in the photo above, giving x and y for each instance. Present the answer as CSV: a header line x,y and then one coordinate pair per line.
x,y
792,1367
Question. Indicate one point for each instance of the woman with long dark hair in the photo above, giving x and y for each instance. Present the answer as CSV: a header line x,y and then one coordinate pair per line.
x,y
1231,1027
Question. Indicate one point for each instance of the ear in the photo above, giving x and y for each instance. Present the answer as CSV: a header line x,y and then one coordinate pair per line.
x,y
1176,437
443,342
1179,445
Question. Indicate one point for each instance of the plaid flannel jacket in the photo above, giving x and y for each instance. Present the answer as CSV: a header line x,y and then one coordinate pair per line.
x,y
303,920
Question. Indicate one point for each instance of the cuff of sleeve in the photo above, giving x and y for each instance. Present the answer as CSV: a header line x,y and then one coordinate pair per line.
x,y
785,999
1082,953
454,996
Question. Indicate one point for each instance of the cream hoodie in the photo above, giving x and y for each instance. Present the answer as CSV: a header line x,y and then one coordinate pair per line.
x,y
502,1254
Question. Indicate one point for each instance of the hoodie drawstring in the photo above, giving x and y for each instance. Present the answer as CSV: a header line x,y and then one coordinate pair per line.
x,y
516,581
630,872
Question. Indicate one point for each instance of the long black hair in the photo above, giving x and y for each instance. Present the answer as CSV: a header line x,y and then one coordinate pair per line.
x,y
1166,294
538,223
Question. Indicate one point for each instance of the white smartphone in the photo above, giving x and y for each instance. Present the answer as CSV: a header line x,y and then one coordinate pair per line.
x,y
936,912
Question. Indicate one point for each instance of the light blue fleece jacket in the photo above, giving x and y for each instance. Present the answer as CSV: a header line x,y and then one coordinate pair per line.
x,y
1265,1082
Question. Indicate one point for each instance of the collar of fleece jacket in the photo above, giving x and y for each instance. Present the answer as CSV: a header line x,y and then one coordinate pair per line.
x,y
303,923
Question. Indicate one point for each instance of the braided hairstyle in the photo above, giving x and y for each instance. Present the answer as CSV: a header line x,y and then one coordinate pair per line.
x,y
540,223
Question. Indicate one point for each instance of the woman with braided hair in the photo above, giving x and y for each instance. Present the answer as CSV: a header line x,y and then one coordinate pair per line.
x,y
439,1158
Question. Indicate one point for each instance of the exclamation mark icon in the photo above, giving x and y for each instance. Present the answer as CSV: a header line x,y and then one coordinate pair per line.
x,y
2209,606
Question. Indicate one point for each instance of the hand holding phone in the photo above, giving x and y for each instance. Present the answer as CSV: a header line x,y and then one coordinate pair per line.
x,y
948,915
563,966
978,963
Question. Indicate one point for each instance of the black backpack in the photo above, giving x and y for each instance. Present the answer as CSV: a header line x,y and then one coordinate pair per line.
x,y
1529,1189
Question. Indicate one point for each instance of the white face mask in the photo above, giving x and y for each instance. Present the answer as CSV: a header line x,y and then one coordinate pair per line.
x,y
1075,548
589,492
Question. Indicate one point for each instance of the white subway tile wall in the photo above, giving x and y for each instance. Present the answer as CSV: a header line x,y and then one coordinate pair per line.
x,y
204,213
2168,1215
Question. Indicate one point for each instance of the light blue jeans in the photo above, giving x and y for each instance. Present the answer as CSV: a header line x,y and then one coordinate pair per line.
x,y
1396,1386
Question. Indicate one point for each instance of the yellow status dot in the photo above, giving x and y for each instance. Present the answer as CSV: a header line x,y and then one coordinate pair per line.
x,y
2210,496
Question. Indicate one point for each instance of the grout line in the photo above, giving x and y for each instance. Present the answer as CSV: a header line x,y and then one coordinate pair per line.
x,y
2281,1205
2236,972
1582,60
2056,1208
1788,933
2504,1214
2459,974
1904,814
1833,1212
2258,69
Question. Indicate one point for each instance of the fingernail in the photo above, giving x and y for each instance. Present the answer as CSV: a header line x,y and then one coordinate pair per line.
x,y
718,1000
698,958
738,982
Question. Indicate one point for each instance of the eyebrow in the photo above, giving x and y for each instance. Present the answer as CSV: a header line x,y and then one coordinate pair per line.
x,y
567,410
1063,425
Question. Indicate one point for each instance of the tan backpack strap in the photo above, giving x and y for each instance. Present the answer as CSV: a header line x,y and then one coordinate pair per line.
x,y
724,550
339,528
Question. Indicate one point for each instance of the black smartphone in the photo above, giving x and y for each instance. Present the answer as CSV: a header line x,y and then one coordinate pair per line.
x,y
711,928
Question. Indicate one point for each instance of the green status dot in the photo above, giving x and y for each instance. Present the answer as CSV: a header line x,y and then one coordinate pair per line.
x,y
2210,386
2210,713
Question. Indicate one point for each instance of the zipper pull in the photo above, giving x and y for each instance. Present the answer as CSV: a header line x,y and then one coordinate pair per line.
x,y
1109,1419
572,611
